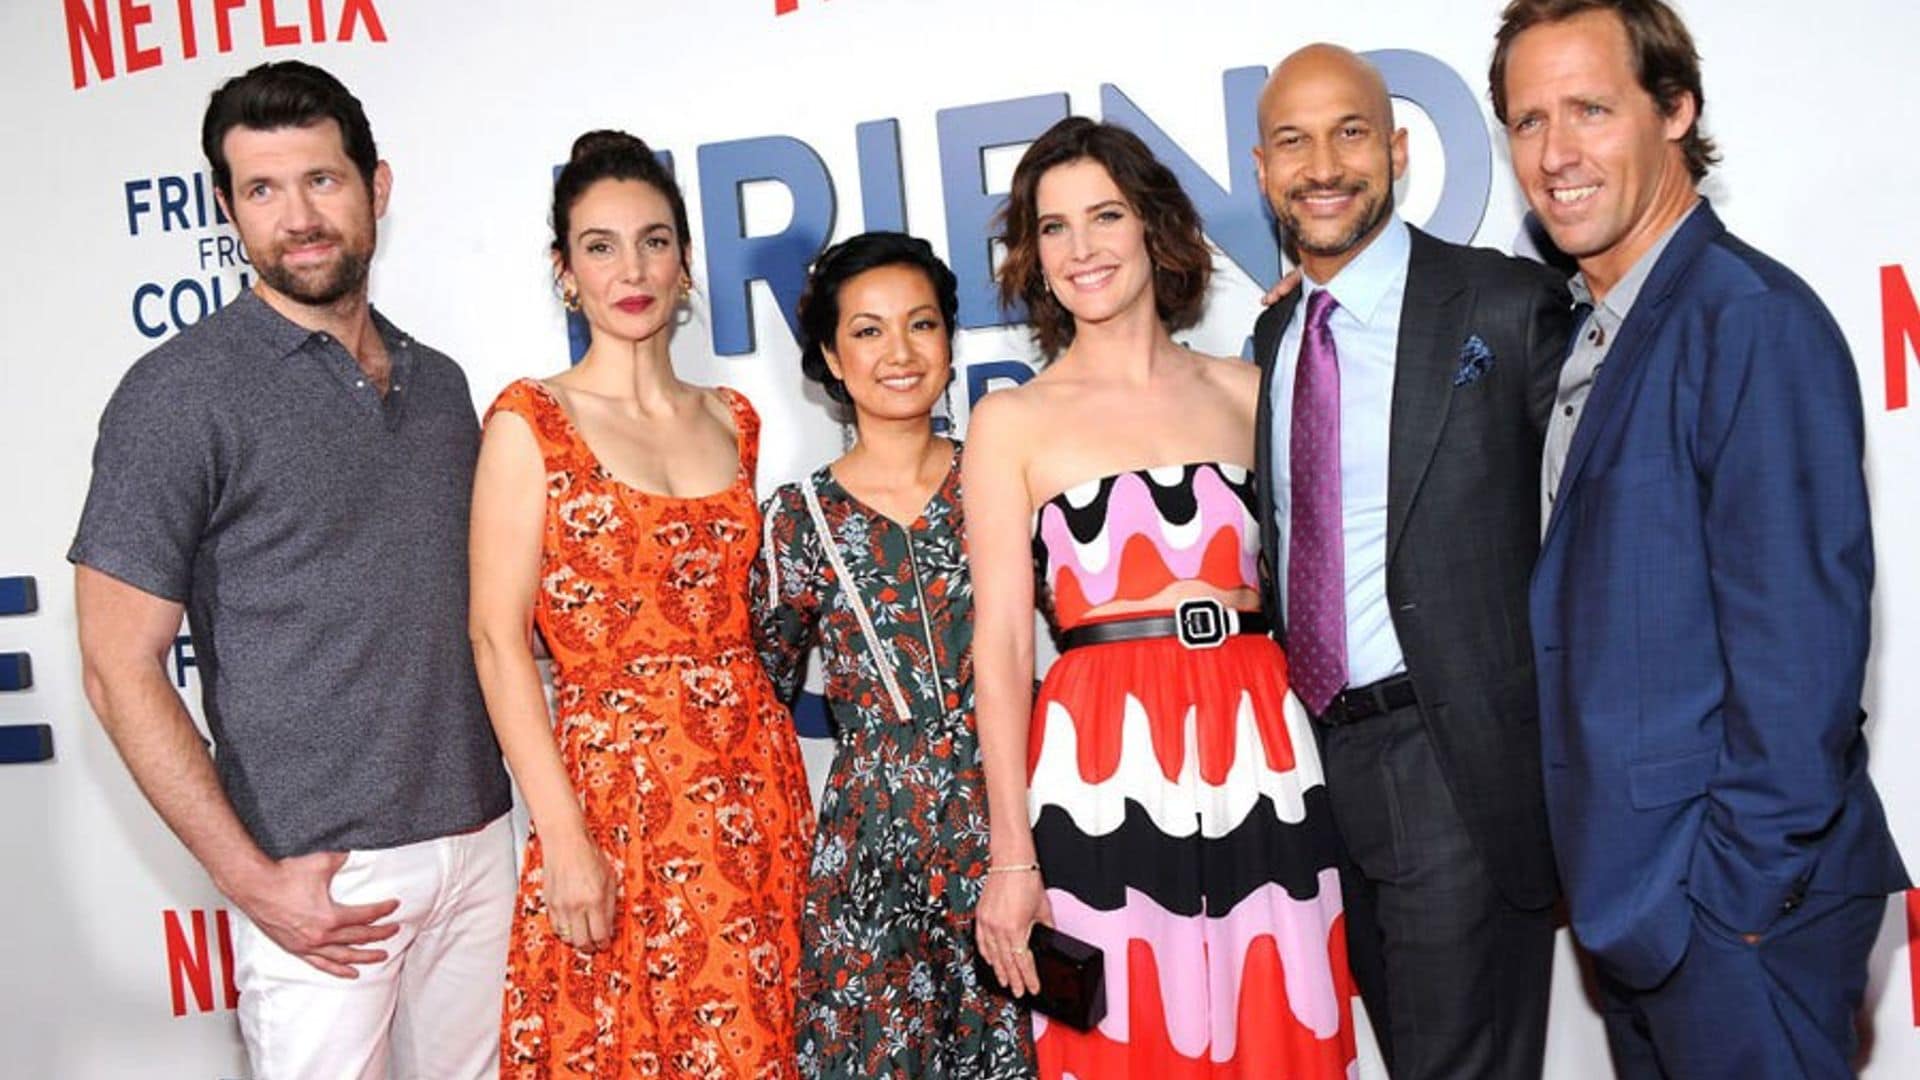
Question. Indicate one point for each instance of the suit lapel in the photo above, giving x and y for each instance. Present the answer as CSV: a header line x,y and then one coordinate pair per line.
x,y
1433,323
1624,361
1267,356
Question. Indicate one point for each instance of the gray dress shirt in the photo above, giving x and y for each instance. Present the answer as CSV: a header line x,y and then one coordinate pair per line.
x,y
1591,341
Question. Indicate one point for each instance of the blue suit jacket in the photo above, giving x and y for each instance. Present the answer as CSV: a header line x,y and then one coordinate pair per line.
x,y
1701,615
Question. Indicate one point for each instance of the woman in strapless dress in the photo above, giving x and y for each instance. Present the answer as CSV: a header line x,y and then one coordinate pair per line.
x,y
1160,797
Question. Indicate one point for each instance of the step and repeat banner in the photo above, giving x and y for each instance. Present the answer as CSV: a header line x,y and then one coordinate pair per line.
x,y
789,123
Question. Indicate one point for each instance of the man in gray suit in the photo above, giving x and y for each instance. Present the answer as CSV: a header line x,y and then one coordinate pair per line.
x,y
1405,392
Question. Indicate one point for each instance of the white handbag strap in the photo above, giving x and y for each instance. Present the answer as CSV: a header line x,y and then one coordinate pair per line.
x,y
882,658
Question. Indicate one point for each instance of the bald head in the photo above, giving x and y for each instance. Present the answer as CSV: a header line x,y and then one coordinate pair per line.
x,y
1328,154
1317,72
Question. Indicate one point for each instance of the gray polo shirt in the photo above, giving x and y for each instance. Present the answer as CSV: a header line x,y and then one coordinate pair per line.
x,y
1591,341
317,534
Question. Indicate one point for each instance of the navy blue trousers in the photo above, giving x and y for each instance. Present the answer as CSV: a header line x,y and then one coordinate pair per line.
x,y
1782,1007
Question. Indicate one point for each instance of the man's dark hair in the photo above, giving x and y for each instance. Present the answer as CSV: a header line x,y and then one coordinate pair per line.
x,y
614,155
284,94
819,309
1664,60
1182,265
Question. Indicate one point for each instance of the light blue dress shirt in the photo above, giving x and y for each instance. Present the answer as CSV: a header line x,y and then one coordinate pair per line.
x,y
1366,333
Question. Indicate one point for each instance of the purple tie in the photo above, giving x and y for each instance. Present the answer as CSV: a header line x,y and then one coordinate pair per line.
x,y
1316,542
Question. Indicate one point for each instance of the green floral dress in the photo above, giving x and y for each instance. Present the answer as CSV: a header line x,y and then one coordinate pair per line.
x,y
887,984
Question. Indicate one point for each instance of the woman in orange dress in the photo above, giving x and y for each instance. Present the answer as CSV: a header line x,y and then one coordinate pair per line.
x,y
614,509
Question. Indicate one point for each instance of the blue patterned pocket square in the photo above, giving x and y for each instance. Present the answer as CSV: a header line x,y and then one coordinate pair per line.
x,y
1475,360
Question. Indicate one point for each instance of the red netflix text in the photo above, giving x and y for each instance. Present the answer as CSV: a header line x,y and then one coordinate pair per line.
x,y
1899,330
1913,949
192,959
112,37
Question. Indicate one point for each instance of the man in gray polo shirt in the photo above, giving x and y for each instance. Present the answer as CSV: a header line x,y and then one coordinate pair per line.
x,y
293,473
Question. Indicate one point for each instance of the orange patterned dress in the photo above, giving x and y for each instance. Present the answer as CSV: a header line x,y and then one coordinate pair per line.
x,y
688,771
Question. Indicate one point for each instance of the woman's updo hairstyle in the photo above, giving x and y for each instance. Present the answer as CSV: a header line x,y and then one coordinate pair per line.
x,y
819,309
613,155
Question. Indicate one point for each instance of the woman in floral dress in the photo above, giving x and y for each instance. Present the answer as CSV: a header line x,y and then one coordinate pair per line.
x,y
887,985
657,928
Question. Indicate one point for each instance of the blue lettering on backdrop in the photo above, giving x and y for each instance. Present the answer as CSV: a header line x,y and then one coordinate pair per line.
x,y
981,377
161,309
1237,217
184,202
966,133
734,259
182,659
883,188
1235,214
1464,141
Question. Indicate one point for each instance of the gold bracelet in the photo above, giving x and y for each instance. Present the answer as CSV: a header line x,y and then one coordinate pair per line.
x,y
1018,868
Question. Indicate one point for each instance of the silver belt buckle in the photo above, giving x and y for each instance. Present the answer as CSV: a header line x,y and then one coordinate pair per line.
x,y
1201,623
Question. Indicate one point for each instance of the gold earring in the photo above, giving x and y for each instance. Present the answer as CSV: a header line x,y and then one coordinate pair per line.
x,y
570,298
686,287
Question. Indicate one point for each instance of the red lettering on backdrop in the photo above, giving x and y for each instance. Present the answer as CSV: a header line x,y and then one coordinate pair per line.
x,y
1913,948
223,934
189,40
190,962
189,965
89,31
1900,329
132,17
97,49
223,22
273,31
360,10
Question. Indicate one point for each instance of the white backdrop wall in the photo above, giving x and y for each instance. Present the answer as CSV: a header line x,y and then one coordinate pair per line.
x,y
113,955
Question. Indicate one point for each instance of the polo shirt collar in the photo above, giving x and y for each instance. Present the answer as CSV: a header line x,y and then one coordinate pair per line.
x,y
280,336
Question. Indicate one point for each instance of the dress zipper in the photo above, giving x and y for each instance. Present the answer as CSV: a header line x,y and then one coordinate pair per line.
x,y
926,625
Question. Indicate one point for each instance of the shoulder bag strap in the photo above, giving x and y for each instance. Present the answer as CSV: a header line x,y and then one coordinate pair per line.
x,y
882,659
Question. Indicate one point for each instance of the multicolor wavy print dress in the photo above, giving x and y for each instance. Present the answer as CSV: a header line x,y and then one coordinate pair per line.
x,y
1177,803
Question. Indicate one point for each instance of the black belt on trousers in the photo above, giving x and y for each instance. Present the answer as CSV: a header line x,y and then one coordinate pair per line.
x,y
1199,623
1374,699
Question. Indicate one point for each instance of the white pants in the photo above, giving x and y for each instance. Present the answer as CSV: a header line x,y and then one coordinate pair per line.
x,y
431,1009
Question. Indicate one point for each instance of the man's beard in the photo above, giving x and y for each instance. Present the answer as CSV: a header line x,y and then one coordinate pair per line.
x,y
322,286
1371,215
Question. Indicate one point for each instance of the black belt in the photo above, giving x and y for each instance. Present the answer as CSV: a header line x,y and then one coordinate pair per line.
x,y
1199,623
1375,699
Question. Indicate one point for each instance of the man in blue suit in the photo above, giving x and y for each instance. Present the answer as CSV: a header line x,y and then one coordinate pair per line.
x,y
1701,603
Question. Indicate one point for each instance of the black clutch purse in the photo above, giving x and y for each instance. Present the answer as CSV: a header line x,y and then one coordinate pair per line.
x,y
1073,977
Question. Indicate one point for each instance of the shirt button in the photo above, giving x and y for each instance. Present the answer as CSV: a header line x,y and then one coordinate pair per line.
x,y
1596,335
1569,410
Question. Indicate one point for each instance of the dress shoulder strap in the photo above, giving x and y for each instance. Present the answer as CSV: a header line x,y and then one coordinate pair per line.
x,y
534,403
746,429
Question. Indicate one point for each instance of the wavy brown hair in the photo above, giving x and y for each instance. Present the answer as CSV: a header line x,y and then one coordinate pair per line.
x,y
1182,265
1664,60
